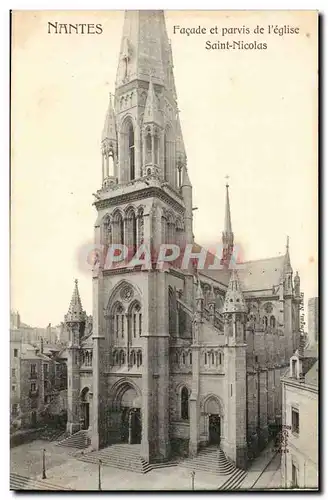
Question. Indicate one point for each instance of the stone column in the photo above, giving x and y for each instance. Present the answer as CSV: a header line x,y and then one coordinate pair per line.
x,y
73,391
194,402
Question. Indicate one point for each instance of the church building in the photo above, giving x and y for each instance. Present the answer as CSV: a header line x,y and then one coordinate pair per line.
x,y
177,359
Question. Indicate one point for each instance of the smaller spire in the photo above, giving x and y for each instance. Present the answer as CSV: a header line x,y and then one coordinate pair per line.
x,y
234,299
75,310
109,130
227,219
151,108
287,265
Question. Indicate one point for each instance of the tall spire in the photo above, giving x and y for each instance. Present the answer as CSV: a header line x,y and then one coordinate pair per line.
x,y
145,47
227,219
287,264
75,311
227,234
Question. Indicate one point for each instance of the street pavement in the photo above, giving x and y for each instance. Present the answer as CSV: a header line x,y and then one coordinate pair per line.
x,y
65,470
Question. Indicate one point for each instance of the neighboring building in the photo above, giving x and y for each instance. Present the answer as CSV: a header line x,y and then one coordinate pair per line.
x,y
300,420
313,319
39,380
176,359
15,374
32,335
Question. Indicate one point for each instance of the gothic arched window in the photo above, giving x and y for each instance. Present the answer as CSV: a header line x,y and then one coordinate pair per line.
x,y
139,358
212,358
190,358
118,318
122,358
184,404
205,358
131,152
272,321
265,321
136,317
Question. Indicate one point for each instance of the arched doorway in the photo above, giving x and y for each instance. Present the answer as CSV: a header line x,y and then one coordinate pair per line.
x,y
212,409
85,408
127,403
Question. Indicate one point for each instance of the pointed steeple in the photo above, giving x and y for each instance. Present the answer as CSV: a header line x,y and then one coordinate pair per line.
x,y
75,313
227,218
227,234
152,113
144,47
234,299
287,265
109,130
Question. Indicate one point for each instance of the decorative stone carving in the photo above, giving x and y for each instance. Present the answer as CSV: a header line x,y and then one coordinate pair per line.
x,y
268,307
126,293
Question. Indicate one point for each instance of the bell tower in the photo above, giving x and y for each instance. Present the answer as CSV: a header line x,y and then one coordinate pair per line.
x,y
145,199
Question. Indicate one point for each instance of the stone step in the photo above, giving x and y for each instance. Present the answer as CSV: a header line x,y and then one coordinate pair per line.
x,y
210,460
121,456
78,440
18,482
234,481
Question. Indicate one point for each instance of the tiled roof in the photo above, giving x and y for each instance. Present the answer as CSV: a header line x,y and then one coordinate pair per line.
x,y
253,275
261,274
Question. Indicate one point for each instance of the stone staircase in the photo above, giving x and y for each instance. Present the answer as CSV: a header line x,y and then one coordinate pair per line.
x,y
120,456
210,459
18,482
234,480
78,440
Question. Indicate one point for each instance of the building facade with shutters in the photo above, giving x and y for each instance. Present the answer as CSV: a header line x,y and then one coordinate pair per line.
x,y
177,358
300,385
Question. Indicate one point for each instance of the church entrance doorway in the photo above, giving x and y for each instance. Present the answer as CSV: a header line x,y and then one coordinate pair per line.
x,y
85,409
214,429
131,426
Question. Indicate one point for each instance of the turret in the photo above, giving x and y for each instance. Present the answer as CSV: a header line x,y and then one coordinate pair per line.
x,y
186,191
288,272
234,311
75,317
109,146
75,321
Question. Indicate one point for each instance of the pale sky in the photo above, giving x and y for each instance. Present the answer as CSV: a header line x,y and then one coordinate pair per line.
x,y
251,115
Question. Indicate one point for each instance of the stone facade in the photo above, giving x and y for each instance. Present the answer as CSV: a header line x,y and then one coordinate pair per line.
x,y
300,421
180,358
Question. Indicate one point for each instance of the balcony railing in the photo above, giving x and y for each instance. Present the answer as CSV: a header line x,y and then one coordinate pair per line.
x,y
33,375
34,393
